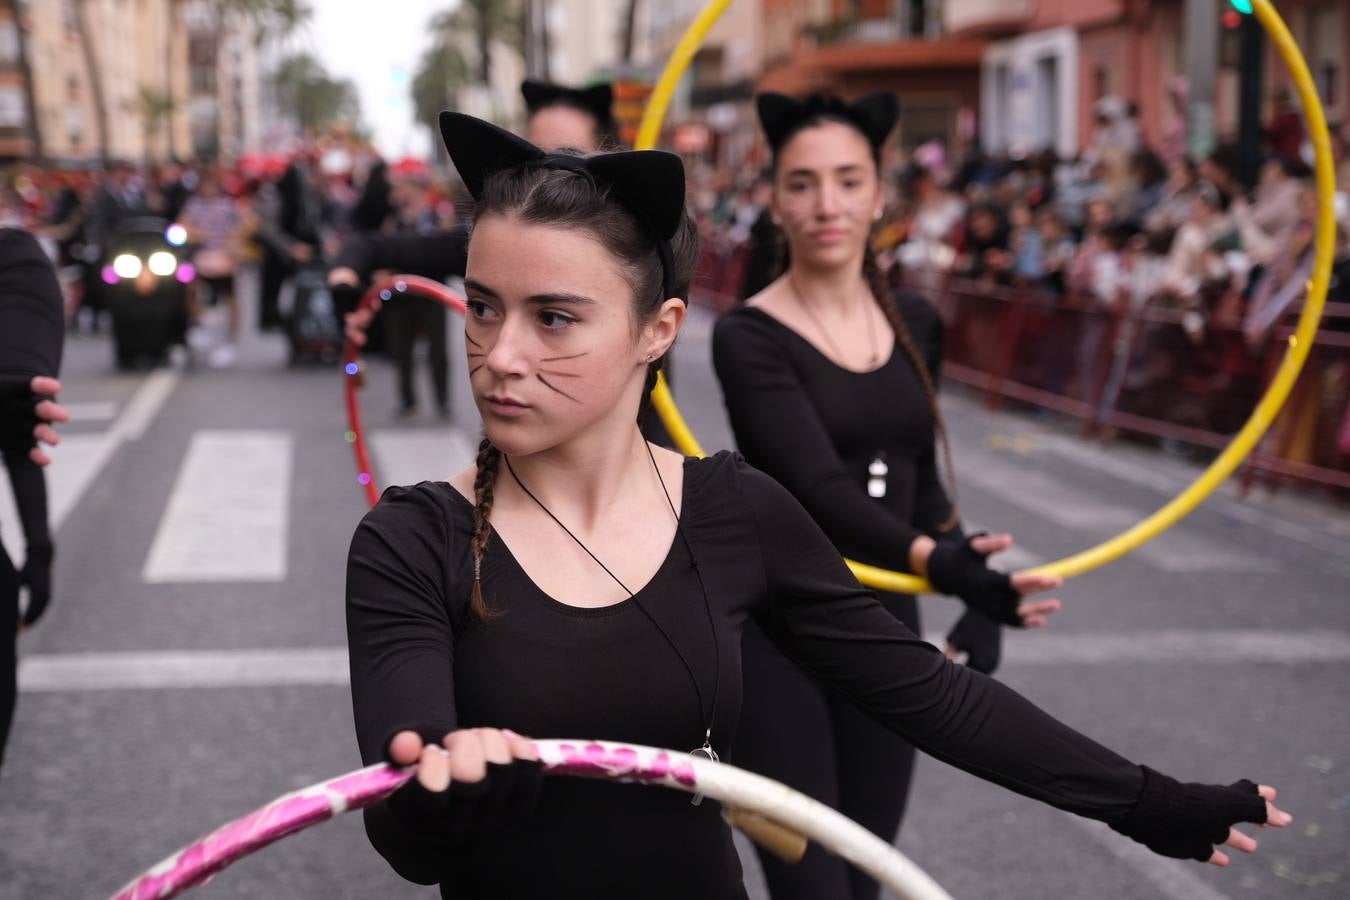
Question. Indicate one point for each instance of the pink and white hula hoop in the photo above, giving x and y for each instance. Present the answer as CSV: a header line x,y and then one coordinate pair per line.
x,y
735,788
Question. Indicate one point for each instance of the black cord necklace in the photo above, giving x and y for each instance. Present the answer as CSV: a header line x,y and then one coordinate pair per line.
x,y
707,749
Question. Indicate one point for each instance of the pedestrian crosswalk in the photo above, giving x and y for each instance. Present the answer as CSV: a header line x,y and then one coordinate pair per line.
x,y
228,517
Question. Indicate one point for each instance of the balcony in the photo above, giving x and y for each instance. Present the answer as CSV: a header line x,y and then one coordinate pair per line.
x,y
986,17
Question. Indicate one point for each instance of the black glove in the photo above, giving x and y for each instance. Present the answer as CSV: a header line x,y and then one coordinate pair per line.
x,y
37,577
18,412
956,568
980,639
462,815
1186,821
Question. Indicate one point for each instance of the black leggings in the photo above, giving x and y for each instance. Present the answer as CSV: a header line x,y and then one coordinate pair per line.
x,y
406,315
796,731
9,636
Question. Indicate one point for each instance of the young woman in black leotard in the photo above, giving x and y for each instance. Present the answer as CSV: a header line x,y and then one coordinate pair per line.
x,y
829,378
580,581
31,336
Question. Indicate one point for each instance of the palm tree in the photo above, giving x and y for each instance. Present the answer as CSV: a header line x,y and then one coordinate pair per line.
x,y
308,92
95,77
155,108
441,72
26,70
488,21
629,32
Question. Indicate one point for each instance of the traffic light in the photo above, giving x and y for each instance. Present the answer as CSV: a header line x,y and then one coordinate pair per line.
x,y
1242,6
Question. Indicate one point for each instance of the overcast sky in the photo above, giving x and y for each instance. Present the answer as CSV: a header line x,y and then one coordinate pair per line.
x,y
376,44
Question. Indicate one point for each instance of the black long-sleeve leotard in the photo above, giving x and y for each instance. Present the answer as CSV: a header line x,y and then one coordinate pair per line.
x,y
815,427
546,669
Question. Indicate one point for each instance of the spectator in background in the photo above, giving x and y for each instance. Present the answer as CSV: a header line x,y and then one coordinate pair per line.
x,y
1148,186
1264,225
936,215
764,242
1284,134
984,254
1059,250
213,225
1175,203
1194,264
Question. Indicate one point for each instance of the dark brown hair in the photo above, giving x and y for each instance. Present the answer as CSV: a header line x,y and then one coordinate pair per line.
x,y
885,299
543,195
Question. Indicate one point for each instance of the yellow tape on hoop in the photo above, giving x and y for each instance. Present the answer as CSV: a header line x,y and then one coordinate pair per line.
x,y
1300,343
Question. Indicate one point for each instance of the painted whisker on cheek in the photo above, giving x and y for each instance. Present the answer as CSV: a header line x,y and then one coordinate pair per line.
x,y
555,389
561,358
557,374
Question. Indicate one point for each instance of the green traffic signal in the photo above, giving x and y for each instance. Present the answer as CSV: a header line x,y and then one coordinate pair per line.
x,y
1242,6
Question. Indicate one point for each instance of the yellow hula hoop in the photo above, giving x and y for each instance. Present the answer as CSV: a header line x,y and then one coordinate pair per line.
x,y
1300,343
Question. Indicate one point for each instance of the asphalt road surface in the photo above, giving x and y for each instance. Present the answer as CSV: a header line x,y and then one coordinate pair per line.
x,y
192,664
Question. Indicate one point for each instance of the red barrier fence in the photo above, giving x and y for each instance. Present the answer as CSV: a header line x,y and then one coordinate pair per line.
x,y
1144,372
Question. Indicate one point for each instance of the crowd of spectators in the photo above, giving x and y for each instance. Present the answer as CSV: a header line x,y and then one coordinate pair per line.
x,y
1118,240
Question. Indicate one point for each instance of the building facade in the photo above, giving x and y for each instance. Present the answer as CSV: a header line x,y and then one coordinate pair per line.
x,y
126,79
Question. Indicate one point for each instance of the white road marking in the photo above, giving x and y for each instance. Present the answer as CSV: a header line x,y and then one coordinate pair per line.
x,y
1174,645
145,404
328,665
92,411
184,669
407,456
76,462
1171,878
227,518
78,459
1041,494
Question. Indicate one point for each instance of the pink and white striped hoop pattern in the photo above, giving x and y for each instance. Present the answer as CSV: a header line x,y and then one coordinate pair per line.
x,y
198,862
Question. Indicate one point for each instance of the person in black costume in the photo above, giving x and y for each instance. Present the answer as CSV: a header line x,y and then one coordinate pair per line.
x,y
291,219
31,337
578,580
828,378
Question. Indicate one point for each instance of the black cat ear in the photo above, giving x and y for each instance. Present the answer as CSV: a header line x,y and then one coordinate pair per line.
x,y
537,94
599,99
876,115
478,149
651,182
778,116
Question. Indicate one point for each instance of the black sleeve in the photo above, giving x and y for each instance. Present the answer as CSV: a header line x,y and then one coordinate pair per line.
x,y
932,506
32,325
776,426
401,647
819,614
435,256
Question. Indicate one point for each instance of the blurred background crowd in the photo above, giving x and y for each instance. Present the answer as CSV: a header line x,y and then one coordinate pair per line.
x,y
1111,201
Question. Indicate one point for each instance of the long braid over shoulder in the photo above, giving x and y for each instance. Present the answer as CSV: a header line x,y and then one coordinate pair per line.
x,y
885,297
485,481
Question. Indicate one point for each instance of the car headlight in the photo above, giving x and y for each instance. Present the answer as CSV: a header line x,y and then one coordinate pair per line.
x,y
163,263
125,265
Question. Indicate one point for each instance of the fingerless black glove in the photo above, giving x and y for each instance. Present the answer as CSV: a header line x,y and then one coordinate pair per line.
x,y
1186,821
465,813
37,577
18,412
956,568
980,639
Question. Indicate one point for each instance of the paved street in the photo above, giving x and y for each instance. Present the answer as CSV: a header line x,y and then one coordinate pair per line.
x,y
192,664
